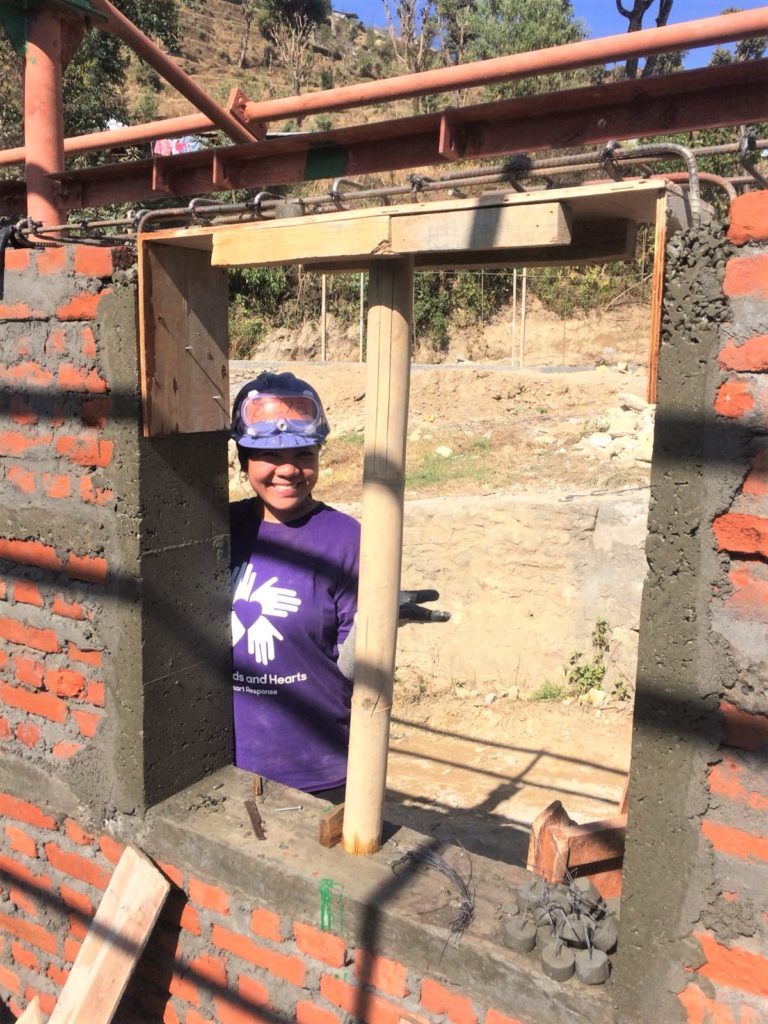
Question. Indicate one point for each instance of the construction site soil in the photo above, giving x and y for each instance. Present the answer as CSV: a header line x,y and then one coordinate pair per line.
x,y
476,762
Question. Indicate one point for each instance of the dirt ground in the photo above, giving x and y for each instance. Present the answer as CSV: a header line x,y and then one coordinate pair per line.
x,y
477,765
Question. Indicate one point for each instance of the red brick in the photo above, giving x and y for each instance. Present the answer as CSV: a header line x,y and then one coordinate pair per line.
x,y
94,412
750,357
46,1000
86,656
386,975
94,495
212,897
94,694
748,218
65,749
21,479
93,261
32,934
190,920
21,841
20,810
87,343
75,866
46,705
67,609
56,343
77,901
64,682
20,873
318,945
210,970
85,450
87,568
494,1017
743,729
21,412
27,592
734,967
741,533
24,902
29,671
111,848
757,478
308,1013
750,590
5,729
266,923
17,259
77,834
726,779
57,485
58,975
746,276
438,999
734,399
87,722
78,928
252,997
19,311
171,1017
9,980
13,442
371,1008
289,968
184,989
51,260
28,734
16,632
25,957
30,552
82,306
71,378
71,949
735,842
28,372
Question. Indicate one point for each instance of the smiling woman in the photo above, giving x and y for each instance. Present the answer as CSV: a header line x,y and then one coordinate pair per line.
x,y
294,576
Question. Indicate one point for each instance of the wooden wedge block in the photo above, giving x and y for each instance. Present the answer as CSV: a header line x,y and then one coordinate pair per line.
x,y
331,824
118,933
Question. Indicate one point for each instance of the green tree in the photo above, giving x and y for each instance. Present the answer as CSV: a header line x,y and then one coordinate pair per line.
x,y
514,26
657,63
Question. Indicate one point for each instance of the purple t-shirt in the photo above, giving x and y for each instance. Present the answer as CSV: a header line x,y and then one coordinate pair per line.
x,y
294,600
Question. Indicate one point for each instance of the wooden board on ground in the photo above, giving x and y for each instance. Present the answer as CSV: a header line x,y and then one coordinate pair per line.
x,y
331,824
118,933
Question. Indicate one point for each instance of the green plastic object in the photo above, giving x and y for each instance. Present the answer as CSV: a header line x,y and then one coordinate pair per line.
x,y
14,16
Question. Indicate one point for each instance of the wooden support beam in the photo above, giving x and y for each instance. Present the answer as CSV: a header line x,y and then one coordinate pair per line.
x,y
118,933
32,1014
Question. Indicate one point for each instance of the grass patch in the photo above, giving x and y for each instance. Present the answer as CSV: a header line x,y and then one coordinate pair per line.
x,y
549,691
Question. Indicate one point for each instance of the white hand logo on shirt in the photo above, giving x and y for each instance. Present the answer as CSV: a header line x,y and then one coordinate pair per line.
x,y
273,601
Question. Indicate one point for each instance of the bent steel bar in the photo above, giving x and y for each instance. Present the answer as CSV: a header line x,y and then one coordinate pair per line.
x,y
709,97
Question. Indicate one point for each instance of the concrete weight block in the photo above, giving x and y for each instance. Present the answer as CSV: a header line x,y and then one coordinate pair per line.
x,y
519,935
558,961
592,966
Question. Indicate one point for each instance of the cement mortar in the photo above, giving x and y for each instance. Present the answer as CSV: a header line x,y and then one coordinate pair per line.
x,y
697,468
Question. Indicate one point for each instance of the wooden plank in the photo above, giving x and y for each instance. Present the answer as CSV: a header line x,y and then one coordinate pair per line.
x,y
657,298
183,343
256,822
498,227
542,851
330,826
592,842
32,1014
301,241
118,933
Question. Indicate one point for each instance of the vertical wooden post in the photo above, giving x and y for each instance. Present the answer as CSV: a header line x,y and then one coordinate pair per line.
x,y
523,314
323,315
362,317
657,295
514,312
390,315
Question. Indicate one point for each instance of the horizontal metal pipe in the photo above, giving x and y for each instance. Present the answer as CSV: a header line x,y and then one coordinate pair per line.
x,y
129,135
119,25
688,34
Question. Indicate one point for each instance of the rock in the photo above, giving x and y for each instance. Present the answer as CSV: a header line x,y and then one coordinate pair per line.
x,y
644,448
596,697
622,423
599,440
444,451
490,698
629,401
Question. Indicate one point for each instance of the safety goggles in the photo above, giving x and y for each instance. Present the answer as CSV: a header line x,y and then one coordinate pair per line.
x,y
266,415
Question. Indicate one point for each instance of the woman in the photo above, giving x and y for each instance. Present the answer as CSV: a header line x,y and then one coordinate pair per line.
x,y
294,572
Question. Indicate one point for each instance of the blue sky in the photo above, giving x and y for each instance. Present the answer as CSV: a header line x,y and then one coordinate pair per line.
x,y
600,16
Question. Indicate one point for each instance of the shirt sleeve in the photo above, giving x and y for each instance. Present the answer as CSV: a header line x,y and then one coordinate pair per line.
x,y
346,592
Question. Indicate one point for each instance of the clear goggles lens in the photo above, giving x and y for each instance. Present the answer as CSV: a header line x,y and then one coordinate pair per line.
x,y
262,415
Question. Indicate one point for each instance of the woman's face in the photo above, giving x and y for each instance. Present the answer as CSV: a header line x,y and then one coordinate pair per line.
x,y
284,481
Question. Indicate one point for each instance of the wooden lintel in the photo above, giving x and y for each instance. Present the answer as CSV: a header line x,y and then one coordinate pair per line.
x,y
330,825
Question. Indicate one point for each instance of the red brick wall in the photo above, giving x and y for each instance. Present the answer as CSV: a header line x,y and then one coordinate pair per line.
x,y
56,455
731,985
211,958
